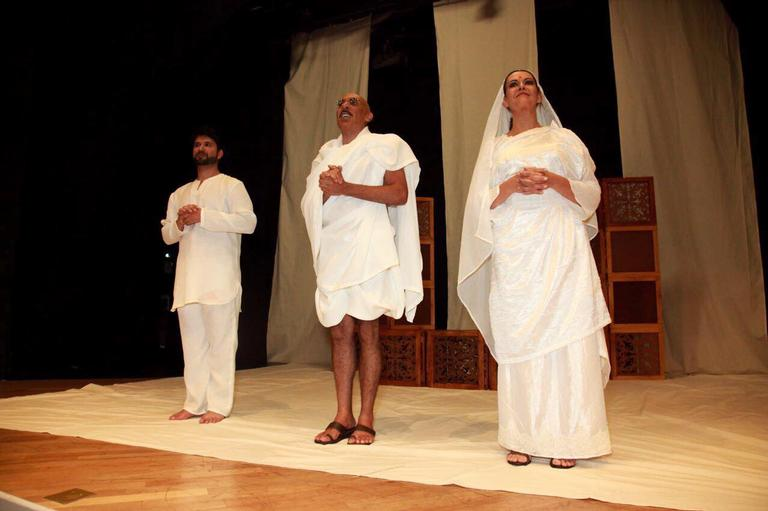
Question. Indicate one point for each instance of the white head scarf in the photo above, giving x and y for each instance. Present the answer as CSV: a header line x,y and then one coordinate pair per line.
x,y
476,236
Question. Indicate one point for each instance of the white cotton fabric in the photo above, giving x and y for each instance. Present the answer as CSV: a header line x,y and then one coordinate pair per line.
x,y
698,442
366,255
528,278
208,265
209,341
552,145
564,417
689,131
545,291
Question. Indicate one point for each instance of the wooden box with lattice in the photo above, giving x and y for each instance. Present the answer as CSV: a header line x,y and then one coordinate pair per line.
x,y
627,257
402,354
456,359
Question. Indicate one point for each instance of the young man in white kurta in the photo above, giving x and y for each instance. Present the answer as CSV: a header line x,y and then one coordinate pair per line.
x,y
360,212
207,217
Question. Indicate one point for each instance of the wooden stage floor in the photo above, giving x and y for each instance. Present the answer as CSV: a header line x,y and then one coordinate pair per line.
x,y
35,465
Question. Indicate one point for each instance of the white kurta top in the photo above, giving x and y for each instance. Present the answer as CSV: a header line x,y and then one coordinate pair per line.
x,y
366,255
208,266
544,290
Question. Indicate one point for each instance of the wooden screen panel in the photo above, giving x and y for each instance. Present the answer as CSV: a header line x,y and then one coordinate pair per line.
x,y
427,261
402,354
597,252
629,201
637,354
492,371
456,359
632,251
634,302
424,212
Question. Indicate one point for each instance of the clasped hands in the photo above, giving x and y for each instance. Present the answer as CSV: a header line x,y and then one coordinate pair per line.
x,y
188,214
331,181
529,181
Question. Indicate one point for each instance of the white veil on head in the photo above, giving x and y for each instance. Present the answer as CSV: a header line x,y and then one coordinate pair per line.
x,y
476,236
499,117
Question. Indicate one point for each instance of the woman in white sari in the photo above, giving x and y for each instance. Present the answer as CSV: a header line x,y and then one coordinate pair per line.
x,y
528,279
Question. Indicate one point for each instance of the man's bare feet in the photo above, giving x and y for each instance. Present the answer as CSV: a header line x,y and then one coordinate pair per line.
x,y
363,435
562,463
182,415
211,418
518,459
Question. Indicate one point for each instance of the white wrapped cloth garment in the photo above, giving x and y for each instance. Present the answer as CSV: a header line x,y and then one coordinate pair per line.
x,y
366,255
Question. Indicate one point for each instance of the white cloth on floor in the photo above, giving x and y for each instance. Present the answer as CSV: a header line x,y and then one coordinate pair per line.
x,y
208,265
366,255
209,339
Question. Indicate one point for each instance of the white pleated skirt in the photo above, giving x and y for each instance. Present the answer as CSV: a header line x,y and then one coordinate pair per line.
x,y
553,406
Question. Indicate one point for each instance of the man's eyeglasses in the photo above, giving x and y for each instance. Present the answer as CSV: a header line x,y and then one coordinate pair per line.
x,y
352,101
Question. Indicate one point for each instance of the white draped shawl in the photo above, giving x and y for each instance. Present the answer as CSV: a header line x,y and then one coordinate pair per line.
x,y
474,285
355,240
545,290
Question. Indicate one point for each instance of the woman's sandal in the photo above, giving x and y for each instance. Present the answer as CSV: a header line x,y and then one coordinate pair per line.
x,y
564,467
519,463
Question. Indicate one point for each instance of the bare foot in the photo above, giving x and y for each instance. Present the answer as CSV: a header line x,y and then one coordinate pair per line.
x,y
518,459
562,463
182,415
211,418
363,435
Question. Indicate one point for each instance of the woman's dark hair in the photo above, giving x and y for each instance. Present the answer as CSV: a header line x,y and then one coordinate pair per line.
x,y
515,71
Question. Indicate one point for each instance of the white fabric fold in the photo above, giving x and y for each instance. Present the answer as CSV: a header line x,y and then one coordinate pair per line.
x,y
476,238
355,240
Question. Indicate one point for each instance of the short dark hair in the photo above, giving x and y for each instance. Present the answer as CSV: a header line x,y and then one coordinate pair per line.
x,y
207,131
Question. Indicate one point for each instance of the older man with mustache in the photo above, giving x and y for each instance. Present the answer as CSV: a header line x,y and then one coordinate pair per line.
x,y
360,212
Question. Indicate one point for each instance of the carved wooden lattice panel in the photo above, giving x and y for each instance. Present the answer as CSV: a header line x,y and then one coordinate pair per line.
x,y
425,215
455,359
402,357
629,202
637,354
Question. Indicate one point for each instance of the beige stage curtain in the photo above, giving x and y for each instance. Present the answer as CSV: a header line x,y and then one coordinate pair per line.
x,y
325,64
682,120
476,47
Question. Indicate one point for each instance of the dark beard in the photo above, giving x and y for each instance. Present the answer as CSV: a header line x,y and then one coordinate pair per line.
x,y
210,160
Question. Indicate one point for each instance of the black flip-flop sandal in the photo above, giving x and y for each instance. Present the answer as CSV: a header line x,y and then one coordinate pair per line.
x,y
552,464
519,463
344,432
364,429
